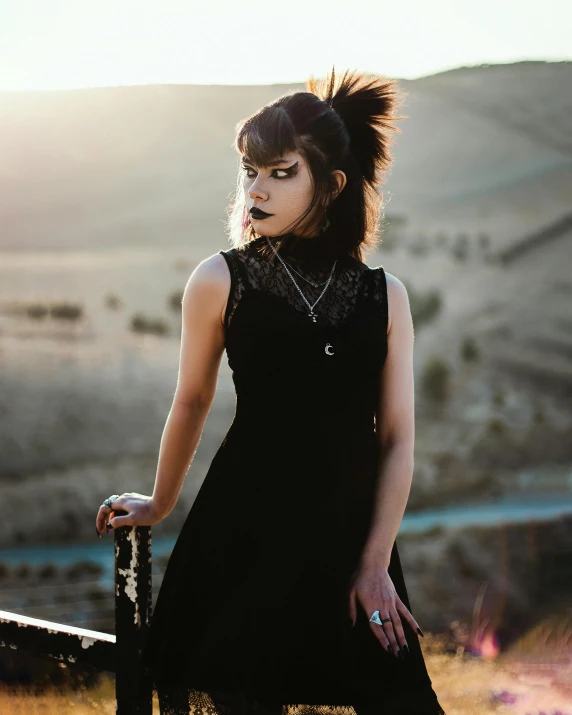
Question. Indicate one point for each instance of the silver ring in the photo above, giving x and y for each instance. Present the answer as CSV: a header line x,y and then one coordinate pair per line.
x,y
107,502
376,619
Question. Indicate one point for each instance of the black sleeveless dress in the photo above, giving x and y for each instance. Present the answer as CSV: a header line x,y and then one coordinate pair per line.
x,y
252,614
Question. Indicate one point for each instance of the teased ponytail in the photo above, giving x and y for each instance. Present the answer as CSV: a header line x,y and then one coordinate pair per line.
x,y
367,106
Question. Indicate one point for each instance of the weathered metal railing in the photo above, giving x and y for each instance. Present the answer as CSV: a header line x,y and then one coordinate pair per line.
x,y
119,653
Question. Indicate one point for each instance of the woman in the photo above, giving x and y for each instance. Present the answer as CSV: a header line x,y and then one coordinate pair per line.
x,y
284,591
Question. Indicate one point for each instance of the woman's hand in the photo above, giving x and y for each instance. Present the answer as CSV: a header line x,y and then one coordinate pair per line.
x,y
140,512
372,586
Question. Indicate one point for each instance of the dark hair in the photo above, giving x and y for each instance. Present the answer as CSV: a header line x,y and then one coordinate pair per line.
x,y
342,124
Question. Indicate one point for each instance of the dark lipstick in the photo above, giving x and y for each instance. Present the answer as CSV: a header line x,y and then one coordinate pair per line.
x,y
258,213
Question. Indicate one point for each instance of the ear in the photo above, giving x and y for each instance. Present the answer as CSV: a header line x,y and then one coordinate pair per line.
x,y
340,179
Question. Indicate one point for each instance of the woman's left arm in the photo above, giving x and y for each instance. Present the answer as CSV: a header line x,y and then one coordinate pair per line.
x,y
371,584
395,426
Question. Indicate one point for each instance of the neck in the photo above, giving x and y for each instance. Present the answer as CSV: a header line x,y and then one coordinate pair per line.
x,y
314,252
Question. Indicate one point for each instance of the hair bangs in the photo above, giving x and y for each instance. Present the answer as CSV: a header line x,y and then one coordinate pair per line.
x,y
267,136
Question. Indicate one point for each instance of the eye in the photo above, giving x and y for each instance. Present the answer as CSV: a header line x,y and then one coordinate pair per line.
x,y
288,172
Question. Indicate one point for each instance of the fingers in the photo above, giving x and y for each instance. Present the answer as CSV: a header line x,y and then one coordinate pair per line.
x,y
103,519
385,633
105,515
381,635
390,633
394,631
118,521
406,613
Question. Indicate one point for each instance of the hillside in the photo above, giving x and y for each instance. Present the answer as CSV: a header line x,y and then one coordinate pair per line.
x,y
110,197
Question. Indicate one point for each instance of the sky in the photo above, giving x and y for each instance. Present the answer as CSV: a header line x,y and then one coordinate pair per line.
x,y
52,44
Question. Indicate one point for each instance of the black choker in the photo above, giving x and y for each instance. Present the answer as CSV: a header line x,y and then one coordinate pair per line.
x,y
316,252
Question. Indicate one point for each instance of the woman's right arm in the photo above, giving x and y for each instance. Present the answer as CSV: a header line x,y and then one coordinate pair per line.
x,y
202,346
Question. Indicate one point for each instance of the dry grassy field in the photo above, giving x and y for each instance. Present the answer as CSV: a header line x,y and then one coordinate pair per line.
x,y
540,682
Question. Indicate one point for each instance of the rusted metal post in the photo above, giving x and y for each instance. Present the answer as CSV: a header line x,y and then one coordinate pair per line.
x,y
133,593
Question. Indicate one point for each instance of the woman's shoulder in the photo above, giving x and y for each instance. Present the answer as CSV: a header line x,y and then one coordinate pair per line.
x,y
396,297
209,279
393,283
395,287
212,268
390,291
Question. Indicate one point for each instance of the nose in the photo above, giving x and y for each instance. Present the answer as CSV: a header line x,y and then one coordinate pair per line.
x,y
255,191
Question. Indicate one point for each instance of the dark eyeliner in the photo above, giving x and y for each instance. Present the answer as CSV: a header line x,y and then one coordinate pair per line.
x,y
290,170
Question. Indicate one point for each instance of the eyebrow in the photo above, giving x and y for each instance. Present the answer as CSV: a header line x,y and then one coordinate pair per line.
x,y
274,163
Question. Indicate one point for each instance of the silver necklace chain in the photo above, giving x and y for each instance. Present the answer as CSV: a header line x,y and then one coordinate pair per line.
x,y
311,313
312,283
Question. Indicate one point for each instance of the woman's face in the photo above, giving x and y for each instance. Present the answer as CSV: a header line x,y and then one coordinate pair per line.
x,y
283,190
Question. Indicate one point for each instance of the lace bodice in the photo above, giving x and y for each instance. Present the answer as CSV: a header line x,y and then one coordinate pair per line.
x,y
310,266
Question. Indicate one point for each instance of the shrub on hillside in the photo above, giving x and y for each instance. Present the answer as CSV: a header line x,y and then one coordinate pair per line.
x,y
23,572
66,311
420,246
496,426
484,240
396,219
425,307
389,241
435,379
469,350
141,324
499,397
83,569
175,300
460,247
37,311
113,302
48,571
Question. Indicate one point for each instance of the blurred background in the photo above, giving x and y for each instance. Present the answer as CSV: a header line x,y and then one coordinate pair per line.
x,y
116,168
